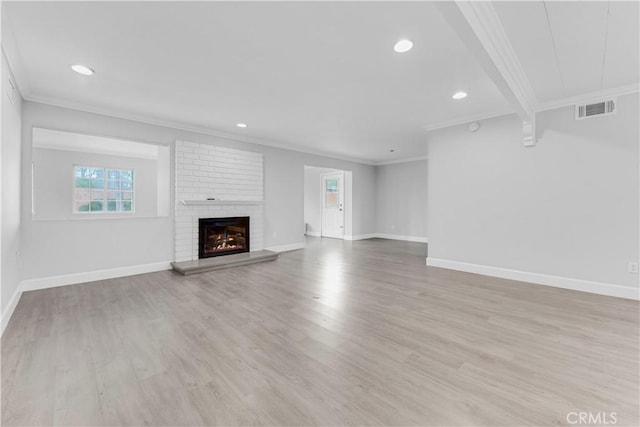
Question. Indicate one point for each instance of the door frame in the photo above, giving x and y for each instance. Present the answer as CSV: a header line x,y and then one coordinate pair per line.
x,y
342,198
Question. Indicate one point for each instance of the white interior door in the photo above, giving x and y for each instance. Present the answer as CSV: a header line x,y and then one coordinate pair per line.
x,y
333,205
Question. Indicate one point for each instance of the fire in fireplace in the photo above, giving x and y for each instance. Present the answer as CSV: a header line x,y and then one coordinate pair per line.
x,y
223,236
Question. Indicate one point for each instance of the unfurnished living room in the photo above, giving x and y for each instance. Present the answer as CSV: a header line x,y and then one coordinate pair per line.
x,y
310,213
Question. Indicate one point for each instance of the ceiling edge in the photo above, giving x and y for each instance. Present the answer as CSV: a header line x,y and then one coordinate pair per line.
x,y
543,106
11,53
467,119
588,97
194,128
405,160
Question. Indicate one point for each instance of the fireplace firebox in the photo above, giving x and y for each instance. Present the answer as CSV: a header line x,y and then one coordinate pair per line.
x,y
223,236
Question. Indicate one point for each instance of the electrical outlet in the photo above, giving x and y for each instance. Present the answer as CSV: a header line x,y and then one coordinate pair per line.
x,y
633,267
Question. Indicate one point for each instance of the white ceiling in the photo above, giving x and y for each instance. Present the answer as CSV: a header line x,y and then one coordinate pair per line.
x,y
320,76
314,76
574,48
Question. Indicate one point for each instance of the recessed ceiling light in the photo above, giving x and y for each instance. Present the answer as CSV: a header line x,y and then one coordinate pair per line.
x,y
459,95
403,46
241,125
82,69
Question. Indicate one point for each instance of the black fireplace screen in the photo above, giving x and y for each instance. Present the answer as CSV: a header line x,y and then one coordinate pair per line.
x,y
223,236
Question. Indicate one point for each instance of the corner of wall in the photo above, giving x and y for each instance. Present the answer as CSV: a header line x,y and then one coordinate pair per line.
x,y
10,308
10,199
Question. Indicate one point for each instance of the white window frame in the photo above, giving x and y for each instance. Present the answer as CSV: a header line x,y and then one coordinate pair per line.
x,y
105,201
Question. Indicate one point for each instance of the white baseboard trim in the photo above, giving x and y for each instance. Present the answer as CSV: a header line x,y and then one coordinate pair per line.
x,y
359,236
540,279
313,233
92,276
286,248
11,307
401,237
387,236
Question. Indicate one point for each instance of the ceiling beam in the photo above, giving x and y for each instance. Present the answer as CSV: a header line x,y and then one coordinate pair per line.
x,y
480,29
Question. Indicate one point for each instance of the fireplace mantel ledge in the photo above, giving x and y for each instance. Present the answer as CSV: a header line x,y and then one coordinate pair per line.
x,y
200,202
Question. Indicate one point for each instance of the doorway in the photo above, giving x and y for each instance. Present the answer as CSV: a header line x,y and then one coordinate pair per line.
x,y
332,205
327,202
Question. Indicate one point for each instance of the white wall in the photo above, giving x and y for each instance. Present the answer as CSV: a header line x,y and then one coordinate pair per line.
x,y
567,207
10,158
53,183
401,203
313,198
130,242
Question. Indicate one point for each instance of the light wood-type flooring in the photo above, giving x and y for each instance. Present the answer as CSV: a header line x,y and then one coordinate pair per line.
x,y
340,333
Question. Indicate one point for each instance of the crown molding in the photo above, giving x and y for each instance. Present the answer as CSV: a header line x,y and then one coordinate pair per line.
x,y
405,160
544,106
193,128
588,97
466,119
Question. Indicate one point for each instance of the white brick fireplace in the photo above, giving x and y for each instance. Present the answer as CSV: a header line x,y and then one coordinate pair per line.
x,y
233,177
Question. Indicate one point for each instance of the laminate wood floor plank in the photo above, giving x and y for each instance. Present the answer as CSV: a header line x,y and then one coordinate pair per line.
x,y
340,333
77,400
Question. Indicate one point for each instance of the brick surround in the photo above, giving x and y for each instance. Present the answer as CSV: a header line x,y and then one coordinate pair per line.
x,y
233,177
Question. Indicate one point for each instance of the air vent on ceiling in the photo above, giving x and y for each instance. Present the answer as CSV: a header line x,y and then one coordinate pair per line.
x,y
595,109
